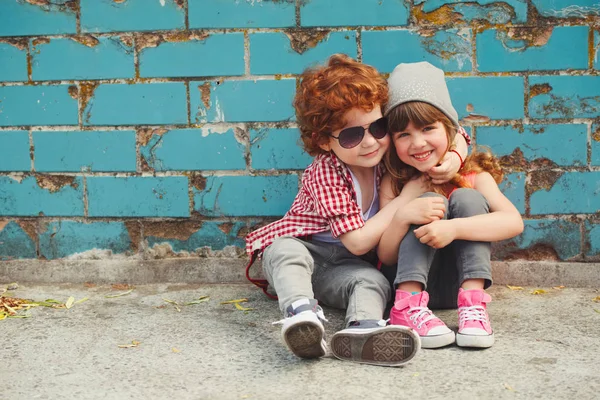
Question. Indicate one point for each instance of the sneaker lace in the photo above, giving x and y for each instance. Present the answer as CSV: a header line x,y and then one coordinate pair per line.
x,y
472,313
319,313
422,315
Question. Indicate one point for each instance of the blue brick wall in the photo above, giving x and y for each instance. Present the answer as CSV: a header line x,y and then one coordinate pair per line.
x,y
130,125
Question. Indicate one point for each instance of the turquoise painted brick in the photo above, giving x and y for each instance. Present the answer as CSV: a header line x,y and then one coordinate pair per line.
x,y
563,237
29,198
138,197
18,18
567,8
513,187
64,238
37,105
596,144
593,239
277,149
215,235
74,151
565,97
539,141
67,59
194,149
14,151
572,193
15,242
353,12
241,14
14,63
449,50
596,49
130,15
493,97
246,195
147,104
219,54
239,101
489,10
567,48
272,52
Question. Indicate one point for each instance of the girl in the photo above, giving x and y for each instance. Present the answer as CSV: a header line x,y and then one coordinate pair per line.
x,y
422,123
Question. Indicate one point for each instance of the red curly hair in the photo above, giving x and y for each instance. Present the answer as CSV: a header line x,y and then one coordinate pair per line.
x,y
422,114
326,93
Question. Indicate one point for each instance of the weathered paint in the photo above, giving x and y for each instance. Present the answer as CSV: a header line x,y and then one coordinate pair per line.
x,y
567,8
353,13
15,242
14,62
569,97
20,18
593,234
561,198
490,11
596,144
277,149
513,187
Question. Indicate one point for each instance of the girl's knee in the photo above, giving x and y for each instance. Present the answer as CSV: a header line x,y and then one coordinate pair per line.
x,y
465,202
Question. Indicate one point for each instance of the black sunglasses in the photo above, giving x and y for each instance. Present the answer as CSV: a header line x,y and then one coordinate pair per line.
x,y
351,137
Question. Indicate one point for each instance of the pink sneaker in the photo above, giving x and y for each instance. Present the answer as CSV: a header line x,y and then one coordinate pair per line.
x,y
474,329
411,310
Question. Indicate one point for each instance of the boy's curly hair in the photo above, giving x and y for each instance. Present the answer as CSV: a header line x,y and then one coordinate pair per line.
x,y
326,93
422,114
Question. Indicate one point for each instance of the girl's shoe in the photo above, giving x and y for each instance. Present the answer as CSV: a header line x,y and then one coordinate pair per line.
x,y
411,310
474,328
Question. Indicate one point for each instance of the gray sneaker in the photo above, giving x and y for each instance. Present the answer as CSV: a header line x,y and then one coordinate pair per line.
x,y
376,343
302,329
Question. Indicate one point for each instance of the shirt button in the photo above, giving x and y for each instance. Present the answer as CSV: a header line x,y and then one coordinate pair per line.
x,y
299,230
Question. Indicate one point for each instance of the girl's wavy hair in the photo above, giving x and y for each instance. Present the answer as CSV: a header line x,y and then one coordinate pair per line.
x,y
422,114
326,93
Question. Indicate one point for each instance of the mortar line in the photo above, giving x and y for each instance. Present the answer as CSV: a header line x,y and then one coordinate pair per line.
x,y
359,50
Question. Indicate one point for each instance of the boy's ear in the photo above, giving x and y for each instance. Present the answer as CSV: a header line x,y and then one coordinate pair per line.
x,y
324,146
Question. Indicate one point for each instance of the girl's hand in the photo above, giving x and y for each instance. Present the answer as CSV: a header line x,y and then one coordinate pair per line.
x,y
437,234
422,211
446,170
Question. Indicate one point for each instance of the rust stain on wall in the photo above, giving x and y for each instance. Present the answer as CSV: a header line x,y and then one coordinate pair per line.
x,y
53,183
146,40
533,36
516,161
72,5
74,92
3,224
197,181
180,3
441,16
39,41
19,43
134,230
543,180
537,252
178,230
145,134
86,92
86,40
205,94
304,39
30,228
127,40
596,135
539,88
226,227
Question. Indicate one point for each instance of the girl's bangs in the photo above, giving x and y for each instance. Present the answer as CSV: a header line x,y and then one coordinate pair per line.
x,y
419,113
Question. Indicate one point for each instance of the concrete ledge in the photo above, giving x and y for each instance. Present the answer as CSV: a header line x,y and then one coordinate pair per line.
x,y
230,270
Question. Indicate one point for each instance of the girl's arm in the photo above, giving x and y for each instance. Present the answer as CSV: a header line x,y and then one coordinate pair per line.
x,y
451,163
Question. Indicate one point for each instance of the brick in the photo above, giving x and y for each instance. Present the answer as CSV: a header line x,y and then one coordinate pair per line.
x,y
567,8
19,18
538,142
513,187
547,238
131,15
262,195
195,149
37,105
147,104
67,59
593,239
353,13
564,96
279,53
566,48
15,242
219,54
596,144
596,50
241,14
277,149
65,238
492,11
195,237
560,198
14,63
14,151
84,151
51,196
449,50
138,197
242,101
506,103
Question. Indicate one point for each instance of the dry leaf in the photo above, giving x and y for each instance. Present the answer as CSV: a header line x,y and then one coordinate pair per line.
x,y
595,309
237,305
561,287
175,350
89,284
121,286
539,291
201,299
110,296
596,299
234,301
12,286
134,343
175,304
81,300
70,302
514,287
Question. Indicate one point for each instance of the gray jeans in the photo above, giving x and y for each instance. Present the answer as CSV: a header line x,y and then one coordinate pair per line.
x,y
299,269
443,271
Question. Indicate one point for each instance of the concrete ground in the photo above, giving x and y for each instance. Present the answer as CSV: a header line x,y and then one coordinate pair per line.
x,y
546,348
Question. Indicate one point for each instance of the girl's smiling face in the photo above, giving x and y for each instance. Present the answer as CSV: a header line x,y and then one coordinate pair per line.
x,y
421,147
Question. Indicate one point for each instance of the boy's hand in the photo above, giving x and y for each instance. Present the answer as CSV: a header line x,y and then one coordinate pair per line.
x,y
437,234
446,170
422,211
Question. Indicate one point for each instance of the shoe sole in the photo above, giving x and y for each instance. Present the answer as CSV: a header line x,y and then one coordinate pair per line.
x,y
389,346
476,341
434,342
305,340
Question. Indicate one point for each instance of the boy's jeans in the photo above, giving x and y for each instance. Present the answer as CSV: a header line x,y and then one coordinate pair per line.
x,y
442,271
329,273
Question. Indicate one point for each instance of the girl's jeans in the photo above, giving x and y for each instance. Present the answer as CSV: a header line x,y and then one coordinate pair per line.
x,y
442,271
299,269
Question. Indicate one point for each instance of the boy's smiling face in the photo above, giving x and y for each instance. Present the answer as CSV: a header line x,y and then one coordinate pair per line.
x,y
369,152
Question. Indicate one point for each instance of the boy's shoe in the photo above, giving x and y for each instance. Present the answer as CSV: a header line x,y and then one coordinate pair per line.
x,y
411,310
372,342
302,329
474,328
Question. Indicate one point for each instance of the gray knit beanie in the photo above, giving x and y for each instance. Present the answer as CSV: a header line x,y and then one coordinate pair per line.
x,y
420,81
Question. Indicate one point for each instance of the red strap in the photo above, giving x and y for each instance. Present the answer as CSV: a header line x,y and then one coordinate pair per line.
x,y
261,283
